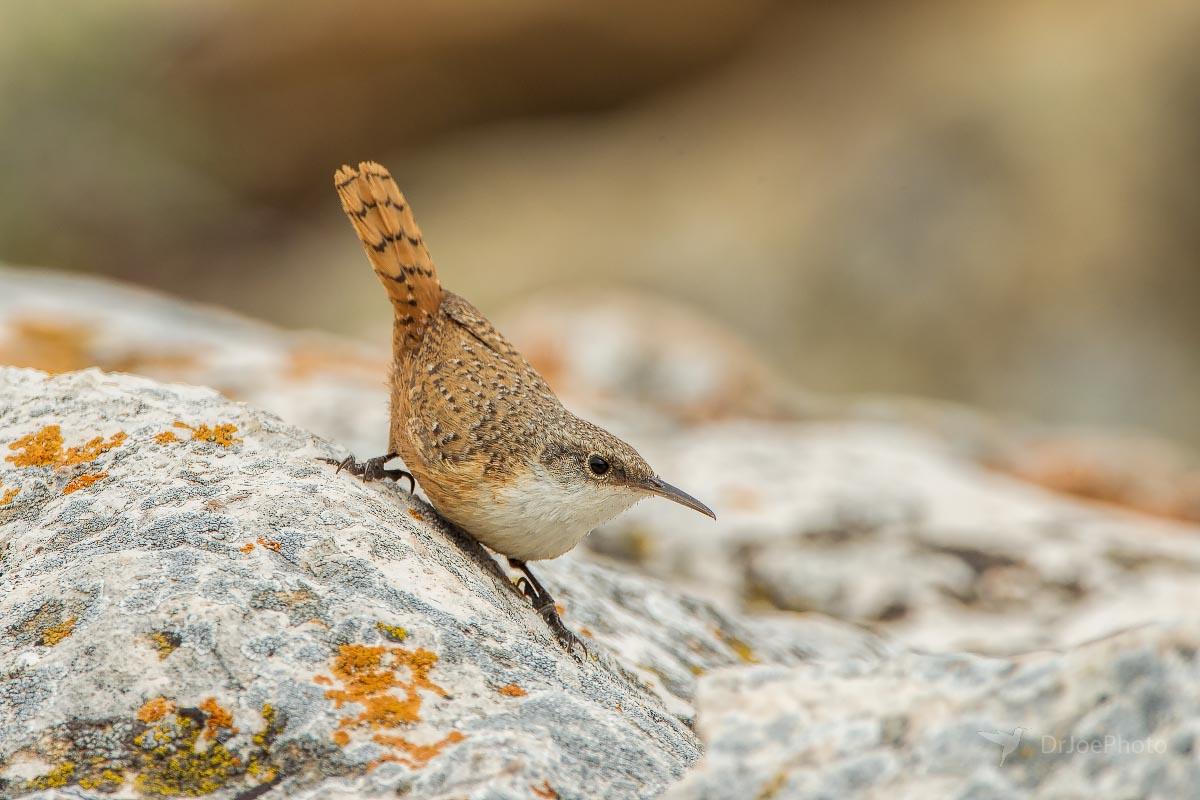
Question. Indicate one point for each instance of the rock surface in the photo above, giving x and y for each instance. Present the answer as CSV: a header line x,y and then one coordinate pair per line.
x,y
1114,718
193,605
162,586
813,515
889,527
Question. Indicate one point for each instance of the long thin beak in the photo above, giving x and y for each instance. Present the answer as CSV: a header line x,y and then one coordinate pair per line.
x,y
661,488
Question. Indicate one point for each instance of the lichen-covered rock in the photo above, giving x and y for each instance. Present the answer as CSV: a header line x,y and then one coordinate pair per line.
x,y
192,605
813,516
59,322
1118,717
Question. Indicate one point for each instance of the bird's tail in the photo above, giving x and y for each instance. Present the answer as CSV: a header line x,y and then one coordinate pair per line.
x,y
390,236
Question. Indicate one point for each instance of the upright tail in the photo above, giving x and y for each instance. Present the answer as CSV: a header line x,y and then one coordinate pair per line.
x,y
390,236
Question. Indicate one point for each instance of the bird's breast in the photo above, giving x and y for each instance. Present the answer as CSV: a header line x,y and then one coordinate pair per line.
x,y
534,515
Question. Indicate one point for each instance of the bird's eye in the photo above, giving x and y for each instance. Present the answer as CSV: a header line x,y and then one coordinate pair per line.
x,y
597,464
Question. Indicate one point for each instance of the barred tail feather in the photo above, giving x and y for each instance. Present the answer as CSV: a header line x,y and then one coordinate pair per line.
x,y
392,241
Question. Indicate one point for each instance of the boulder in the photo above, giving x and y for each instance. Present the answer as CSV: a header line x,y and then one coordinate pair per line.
x,y
1117,717
193,605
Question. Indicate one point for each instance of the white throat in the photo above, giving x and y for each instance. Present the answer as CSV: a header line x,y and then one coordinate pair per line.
x,y
539,517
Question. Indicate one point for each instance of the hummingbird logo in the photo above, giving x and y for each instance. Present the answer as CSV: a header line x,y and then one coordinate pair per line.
x,y
1009,742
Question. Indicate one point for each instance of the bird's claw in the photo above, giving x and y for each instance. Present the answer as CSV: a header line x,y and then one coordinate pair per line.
x,y
547,609
372,469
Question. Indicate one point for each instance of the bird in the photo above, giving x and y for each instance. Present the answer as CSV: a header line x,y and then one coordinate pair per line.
x,y
477,427
1009,742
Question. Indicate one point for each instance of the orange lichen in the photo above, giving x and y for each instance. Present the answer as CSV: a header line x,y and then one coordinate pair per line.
x,y
269,544
166,437
305,361
56,633
368,676
545,791
45,449
218,718
46,345
8,496
83,481
247,547
411,754
512,690
93,449
155,709
222,433
41,449
412,512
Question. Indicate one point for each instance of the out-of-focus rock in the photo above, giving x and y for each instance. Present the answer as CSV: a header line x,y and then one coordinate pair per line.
x,y
59,322
1135,472
889,527
193,605
627,354
1117,717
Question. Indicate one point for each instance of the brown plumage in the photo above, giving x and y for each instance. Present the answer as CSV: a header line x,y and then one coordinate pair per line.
x,y
478,427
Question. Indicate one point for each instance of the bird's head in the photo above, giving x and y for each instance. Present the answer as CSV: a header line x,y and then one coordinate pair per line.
x,y
605,475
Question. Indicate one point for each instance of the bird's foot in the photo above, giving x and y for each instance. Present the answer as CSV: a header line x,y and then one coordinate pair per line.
x,y
547,609
372,469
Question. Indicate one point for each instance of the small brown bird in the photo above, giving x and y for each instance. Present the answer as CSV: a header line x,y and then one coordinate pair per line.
x,y
478,427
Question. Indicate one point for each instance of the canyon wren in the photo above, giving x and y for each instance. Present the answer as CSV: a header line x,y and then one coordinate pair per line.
x,y
476,425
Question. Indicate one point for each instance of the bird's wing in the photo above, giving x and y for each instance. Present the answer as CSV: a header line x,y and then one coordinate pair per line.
x,y
996,737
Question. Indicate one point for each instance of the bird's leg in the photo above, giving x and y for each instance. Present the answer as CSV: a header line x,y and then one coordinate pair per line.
x,y
544,604
372,469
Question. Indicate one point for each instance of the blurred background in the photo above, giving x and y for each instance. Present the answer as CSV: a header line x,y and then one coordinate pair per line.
x,y
996,203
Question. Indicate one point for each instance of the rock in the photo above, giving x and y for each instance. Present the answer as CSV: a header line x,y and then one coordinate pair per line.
x,y
331,386
656,361
889,527
882,514
1114,718
191,604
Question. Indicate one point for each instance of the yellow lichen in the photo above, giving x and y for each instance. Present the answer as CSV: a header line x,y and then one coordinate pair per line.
x,y
368,676
56,633
165,643
8,496
83,481
393,632
218,718
263,737
173,766
743,650
59,776
155,709
270,544
166,437
512,690
222,433
247,547
106,781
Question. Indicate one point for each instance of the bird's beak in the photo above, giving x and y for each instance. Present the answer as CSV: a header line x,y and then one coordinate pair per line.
x,y
661,488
